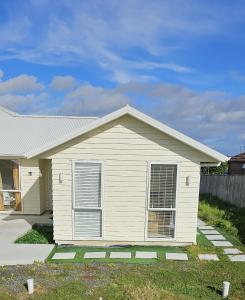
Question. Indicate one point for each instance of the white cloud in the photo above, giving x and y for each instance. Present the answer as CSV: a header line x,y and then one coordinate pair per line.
x,y
88,99
20,84
98,32
63,83
212,116
1,74
237,76
26,103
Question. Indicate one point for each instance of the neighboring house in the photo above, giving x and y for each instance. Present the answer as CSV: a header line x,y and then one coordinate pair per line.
x,y
237,164
121,179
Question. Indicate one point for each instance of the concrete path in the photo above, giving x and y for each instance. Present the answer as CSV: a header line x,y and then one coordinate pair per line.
x,y
12,227
218,240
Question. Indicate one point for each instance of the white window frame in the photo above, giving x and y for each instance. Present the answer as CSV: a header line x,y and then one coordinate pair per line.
x,y
148,208
15,191
87,208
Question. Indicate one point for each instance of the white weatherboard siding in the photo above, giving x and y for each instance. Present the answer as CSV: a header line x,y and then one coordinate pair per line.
x,y
126,146
30,187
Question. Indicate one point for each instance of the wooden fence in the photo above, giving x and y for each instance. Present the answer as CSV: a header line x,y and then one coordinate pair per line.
x,y
229,188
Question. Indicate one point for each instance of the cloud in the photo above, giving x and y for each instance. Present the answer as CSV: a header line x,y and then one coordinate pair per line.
x,y
88,99
27,103
109,33
63,83
20,84
1,74
237,76
213,117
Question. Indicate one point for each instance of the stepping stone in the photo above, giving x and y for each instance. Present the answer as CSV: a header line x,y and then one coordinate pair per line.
x,y
221,243
95,255
210,232
143,254
205,227
237,257
176,256
215,237
232,251
208,257
120,255
64,255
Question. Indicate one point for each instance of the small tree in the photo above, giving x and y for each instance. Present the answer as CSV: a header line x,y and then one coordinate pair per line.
x,y
220,170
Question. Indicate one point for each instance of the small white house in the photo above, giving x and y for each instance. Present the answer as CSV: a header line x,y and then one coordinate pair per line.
x,y
124,178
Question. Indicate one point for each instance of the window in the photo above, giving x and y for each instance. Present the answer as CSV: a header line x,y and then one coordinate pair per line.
x,y
87,200
162,200
10,198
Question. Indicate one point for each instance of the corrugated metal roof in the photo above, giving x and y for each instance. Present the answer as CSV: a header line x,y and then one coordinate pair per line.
x,y
20,134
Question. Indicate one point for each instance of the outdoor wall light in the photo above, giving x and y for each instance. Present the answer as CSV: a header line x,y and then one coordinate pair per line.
x,y
187,180
60,178
29,173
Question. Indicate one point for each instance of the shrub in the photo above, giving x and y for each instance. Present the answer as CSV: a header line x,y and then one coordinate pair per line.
x,y
217,217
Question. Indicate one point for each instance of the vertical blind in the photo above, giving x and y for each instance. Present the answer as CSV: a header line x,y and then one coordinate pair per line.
x,y
87,200
162,196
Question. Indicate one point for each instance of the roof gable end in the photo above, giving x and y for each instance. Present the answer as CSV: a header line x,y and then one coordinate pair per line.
x,y
140,116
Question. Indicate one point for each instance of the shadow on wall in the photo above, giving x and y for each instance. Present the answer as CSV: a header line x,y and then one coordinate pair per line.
x,y
31,208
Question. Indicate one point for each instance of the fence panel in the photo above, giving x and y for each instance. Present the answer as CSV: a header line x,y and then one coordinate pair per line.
x,y
229,188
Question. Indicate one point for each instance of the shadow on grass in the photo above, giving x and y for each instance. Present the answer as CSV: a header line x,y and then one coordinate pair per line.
x,y
39,234
236,215
213,289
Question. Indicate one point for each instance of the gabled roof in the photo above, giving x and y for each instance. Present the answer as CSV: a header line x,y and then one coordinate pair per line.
x,y
127,110
28,135
21,134
238,158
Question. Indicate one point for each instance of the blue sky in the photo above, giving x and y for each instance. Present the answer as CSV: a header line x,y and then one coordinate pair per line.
x,y
182,62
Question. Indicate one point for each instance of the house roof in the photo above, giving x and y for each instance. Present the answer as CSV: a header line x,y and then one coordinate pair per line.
x,y
238,158
38,134
21,134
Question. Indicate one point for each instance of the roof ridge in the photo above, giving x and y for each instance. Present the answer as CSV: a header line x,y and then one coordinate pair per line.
x,y
53,116
8,111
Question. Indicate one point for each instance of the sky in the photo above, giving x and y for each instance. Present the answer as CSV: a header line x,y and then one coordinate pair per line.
x,y
181,62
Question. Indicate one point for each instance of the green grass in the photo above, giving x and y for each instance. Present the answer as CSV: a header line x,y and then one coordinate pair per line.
x,y
81,250
39,234
228,218
169,281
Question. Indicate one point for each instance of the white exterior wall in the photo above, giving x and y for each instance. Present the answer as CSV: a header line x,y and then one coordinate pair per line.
x,y
30,186
126,146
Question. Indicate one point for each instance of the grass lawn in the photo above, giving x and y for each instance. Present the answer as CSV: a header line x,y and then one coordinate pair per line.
x,y
39,234
138,279
164,280
228,218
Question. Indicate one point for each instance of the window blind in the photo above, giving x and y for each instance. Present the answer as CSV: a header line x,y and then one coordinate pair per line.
x,y
87,223
87,184
87,200
163,186
162,201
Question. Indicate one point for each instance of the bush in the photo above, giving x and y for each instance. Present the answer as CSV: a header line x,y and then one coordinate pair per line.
x,y
216,216
39,234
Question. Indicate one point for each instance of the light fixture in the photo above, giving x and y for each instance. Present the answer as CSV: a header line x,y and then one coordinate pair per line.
x,y
60,178
187,180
